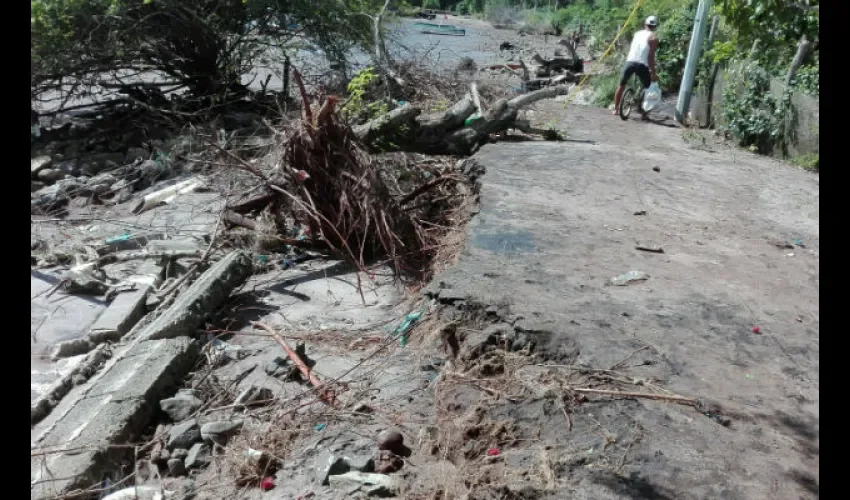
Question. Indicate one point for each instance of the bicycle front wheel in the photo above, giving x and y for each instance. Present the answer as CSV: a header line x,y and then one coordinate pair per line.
x,y
626,103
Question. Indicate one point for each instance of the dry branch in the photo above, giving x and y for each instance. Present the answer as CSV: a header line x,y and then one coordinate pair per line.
x,y
324,393
449,133
639,395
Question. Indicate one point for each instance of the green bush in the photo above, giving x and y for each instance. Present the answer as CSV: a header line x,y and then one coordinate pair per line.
x,y
361,105
807,79
751,114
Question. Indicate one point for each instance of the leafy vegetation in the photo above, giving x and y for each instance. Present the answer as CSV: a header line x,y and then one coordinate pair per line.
x,y
359,105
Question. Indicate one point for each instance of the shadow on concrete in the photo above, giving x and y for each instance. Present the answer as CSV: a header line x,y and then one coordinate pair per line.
x,y
525,138
332,271
806,481
634,486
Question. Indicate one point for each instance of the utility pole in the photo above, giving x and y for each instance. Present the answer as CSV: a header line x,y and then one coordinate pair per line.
x,y
694,51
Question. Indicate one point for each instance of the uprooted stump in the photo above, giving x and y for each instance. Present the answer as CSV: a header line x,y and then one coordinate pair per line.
x,y
325,191
449,132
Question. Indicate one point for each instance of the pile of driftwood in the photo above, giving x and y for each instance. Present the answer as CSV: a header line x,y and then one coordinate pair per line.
x,y
325,192
460,130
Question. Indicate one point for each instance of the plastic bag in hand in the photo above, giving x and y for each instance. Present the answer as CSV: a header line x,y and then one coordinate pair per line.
x,y
652,97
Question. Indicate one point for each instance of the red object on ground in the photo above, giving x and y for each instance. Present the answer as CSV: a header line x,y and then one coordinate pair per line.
x,y
756,329
267,483
493,452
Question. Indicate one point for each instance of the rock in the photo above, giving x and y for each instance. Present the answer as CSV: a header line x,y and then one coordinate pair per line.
x,y
184,434
78,379
219,432
159,453
38,164
254,394
199,456
386,462
80,202
392,440
49,175
179,453
378,485
120,185
54,196
176,468
180,407
101,183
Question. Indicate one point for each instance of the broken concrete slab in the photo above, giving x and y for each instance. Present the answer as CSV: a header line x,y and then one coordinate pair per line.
x,y
125,311
378,485
181,406
85,368
201,298
113,409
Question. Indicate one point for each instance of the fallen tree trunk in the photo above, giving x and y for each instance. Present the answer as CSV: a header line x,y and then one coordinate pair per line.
x,y
451,132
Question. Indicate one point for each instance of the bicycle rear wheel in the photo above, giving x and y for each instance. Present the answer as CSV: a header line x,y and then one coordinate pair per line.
x,y
626,103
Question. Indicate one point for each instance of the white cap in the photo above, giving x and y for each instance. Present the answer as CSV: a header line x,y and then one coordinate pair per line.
x,y
651,21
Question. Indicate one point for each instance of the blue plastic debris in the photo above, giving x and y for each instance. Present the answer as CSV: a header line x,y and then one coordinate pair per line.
x,y
409,320
116,239
320,427
263,258
798,242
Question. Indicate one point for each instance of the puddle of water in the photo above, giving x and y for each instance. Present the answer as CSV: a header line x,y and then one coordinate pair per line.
x,y
508,243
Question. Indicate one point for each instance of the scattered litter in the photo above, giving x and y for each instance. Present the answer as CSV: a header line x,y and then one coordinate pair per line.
x,y
649,248
267,483
409,320
137,492
320,427
756,330
798,242
720,419
254,456
640,212
493,452
656,169
166,195
789,254
262,258
652,97
629,277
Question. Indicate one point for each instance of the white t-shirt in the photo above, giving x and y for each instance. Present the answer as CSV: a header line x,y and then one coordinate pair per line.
x,y
639,51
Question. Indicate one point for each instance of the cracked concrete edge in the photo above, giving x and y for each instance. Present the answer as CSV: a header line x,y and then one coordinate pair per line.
x,y
110,425
209,291
120,317
42,406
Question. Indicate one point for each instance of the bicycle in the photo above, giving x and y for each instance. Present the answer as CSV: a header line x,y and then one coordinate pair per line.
x,y
632,98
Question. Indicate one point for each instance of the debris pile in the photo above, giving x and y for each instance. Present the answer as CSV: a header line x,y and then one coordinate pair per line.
x,y
325,192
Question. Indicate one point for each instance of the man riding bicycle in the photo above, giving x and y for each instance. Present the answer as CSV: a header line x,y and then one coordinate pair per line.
x,y
640,61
